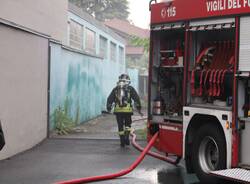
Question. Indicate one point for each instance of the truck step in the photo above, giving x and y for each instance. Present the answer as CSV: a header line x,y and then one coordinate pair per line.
x,y
236,174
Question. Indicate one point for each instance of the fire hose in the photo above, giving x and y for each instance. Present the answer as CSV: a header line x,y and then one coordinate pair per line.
x,y
130,168
151,153
154,154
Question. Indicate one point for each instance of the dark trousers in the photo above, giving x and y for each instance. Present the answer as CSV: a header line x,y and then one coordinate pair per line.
x,y
124,122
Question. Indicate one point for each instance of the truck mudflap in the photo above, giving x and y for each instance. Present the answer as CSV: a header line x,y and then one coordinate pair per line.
x,y
236,174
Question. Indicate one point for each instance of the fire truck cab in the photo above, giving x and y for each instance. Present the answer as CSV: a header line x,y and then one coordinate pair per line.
x,y
199,85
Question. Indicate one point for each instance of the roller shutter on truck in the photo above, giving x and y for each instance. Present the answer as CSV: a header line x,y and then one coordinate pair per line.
x,y
212,24
176,25
244,66
244,55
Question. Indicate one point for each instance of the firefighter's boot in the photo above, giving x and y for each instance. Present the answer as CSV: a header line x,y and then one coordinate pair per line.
x,y
127,142
127,132
122,140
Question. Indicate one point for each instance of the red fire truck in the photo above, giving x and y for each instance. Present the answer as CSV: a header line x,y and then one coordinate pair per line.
x,y
199,85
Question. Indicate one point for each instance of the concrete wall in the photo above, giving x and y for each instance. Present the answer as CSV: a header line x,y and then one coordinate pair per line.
x,y
82,81
99,32
45,16
23,92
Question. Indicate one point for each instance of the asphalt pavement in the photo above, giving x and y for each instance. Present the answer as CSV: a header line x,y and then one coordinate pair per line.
x,y
91,149
60,159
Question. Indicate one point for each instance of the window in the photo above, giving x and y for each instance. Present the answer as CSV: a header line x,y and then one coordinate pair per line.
x,y
103,47
121,55
75,35
112,51
90,41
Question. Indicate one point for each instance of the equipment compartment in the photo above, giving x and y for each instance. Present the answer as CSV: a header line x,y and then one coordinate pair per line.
x,y
167,74
172,145
212,58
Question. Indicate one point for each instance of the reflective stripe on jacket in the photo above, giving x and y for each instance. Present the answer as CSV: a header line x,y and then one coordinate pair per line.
x,y
127,109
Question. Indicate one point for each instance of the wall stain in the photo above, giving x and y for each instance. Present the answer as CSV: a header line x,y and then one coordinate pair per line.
x,y
83,80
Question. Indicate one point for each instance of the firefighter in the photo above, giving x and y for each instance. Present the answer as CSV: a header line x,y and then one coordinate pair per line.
x,y
122,96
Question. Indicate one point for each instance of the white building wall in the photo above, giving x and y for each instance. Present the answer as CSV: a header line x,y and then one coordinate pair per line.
x,y
45,16
23,92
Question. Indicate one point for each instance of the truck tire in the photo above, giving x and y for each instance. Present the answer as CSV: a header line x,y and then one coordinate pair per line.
x,y
209,152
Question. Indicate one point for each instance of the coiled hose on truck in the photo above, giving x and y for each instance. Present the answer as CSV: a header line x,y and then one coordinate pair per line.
x,y
129,169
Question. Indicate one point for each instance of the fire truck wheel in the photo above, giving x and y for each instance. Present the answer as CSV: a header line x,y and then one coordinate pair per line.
x,y
209,152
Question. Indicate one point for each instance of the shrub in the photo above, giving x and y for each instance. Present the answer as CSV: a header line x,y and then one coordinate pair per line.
x,y
63,122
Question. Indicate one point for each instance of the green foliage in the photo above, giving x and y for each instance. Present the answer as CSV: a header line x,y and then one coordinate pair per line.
x,y
104,9
141,63
66,105
77,120
140,42
63,122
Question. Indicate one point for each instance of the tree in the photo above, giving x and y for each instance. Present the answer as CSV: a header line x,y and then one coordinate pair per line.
x,y
140,42
104,9
141,63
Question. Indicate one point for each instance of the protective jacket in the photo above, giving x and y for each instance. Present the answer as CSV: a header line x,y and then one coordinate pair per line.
x,y
119,108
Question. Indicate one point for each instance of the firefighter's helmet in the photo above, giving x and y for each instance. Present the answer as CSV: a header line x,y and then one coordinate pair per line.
x,y
124,78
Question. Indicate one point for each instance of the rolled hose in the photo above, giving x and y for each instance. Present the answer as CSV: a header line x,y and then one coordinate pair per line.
x,y
118,174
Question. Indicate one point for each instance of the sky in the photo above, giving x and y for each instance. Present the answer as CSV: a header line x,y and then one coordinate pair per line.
x,y
139,13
